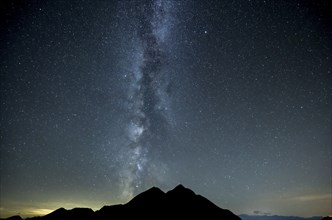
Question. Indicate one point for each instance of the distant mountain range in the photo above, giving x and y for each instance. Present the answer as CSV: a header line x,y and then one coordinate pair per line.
x,y
179,203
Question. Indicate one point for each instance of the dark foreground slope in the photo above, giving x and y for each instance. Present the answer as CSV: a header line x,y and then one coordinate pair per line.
x,y
278,217
175,204
179,203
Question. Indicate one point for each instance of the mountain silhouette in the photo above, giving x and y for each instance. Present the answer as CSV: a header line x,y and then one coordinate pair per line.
x,y
76,213
156,204
178,203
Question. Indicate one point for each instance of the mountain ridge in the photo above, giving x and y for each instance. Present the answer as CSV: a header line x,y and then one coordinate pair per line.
x,y
178,203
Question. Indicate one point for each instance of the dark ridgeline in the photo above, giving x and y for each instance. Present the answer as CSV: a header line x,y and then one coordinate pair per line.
x,y
179,203
278,217
16,217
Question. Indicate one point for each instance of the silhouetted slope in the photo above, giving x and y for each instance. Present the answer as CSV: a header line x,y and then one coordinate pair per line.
x,y
111,212
16,217
184,202
179,203
277,217
63,214
149,198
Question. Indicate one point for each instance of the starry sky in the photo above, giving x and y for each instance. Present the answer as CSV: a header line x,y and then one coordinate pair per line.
x,y
101,100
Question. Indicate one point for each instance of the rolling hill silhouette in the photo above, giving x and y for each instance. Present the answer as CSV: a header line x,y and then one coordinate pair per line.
x,y
179,203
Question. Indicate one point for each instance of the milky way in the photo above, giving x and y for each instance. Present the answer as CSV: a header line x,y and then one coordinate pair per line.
x,y
148,99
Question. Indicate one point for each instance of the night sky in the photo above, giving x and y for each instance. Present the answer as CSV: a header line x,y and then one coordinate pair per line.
x,y
101,100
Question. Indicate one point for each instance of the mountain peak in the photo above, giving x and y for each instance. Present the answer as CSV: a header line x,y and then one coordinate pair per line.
x,y
180,187
148,197
58,211
181,191
155,190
